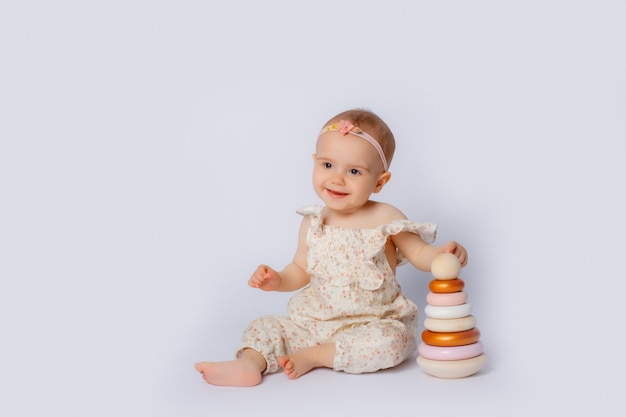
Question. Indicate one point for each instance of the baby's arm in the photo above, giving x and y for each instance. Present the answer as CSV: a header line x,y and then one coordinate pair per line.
x,y
421,254
418,252
292,277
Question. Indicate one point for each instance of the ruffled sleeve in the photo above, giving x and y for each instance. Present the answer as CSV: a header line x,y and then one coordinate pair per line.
x,y
314,212
426,231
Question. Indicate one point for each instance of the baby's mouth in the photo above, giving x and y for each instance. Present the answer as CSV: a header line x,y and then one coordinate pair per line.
x,y
336,194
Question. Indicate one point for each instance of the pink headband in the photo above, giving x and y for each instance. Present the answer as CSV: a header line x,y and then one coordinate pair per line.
x,y
344,127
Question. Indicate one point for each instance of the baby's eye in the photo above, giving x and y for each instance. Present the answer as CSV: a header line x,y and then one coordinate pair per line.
x,y
327,165
355,171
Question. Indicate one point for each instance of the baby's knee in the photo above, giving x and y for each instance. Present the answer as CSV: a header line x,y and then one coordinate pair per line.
x,y
373,348
264,330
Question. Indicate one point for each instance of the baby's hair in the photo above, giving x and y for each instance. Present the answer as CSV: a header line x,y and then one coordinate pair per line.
x,y
371,123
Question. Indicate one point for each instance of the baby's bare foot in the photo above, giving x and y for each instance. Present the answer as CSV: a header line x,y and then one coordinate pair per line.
x,y
302,361
237,373
297,364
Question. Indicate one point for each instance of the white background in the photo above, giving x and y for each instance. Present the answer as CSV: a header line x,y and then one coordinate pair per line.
x,y
152,153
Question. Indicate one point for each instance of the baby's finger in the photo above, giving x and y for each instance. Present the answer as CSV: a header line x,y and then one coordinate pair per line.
x,y
449,247
255,280
463,258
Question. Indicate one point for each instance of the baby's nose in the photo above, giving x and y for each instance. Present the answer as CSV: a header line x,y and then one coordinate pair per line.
x,y
338,178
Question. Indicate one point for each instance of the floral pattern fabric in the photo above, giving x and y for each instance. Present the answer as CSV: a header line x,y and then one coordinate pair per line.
x,y
353,300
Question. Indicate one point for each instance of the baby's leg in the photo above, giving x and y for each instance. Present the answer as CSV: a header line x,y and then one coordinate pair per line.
x,y
304,360
273,337
264,341
377,345
245,371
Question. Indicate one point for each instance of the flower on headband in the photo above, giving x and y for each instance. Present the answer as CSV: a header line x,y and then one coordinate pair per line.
x,y
344,127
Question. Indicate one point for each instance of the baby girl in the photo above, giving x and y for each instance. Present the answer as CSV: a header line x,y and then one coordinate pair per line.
x,y
350,314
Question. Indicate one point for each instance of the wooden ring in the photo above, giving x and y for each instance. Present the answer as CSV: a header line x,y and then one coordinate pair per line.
x,y
446,286
450,325
448,312
446,299
452,369
450,353
451,338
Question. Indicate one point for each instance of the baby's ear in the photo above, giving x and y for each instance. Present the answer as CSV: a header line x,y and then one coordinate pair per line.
x,y
382,180
314,156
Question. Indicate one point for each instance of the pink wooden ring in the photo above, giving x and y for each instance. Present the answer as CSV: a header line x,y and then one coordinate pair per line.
x,y
450,353
446,299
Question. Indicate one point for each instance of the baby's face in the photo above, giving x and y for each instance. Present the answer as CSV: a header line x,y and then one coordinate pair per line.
x,y
346,172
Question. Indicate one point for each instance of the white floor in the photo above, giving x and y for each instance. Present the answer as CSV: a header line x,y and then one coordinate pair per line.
x,y
111,353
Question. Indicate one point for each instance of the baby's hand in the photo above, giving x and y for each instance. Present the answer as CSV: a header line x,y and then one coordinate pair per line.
x,y
456,249
264,278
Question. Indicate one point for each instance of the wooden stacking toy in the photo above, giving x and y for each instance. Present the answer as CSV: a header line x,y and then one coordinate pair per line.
x,y
451,346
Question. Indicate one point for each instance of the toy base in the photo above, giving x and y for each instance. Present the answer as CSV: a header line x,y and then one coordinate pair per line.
x,y
452,369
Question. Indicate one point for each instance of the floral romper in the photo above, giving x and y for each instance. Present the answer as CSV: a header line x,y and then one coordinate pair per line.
x,y
353,300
